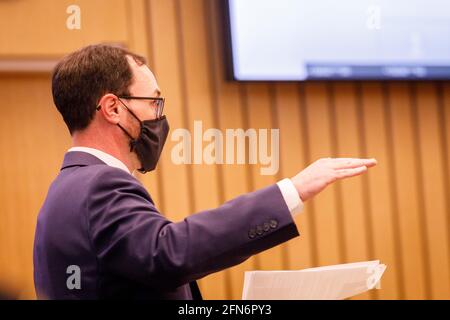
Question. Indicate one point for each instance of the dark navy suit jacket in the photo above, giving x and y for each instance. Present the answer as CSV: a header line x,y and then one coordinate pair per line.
x,y
102,220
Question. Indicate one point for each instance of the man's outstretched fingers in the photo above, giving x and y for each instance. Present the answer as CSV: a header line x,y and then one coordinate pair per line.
x,y
346,173
349,163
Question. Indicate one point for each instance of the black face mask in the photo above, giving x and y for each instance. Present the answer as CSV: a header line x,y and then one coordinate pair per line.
x,y
150,142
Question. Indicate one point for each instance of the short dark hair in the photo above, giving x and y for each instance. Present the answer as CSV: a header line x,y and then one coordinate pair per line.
x,y
81,78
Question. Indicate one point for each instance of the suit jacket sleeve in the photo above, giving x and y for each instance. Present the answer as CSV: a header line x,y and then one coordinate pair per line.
x,y
132,239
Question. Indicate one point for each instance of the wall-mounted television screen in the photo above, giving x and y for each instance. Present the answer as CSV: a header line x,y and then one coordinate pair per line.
x,y
291,40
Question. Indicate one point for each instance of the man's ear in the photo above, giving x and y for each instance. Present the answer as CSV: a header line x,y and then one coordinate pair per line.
x,y
109,107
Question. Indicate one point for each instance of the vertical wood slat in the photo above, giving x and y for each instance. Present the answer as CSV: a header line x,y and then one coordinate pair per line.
x,y
324,204
167,65
292,160
445,127
350,205
8,199
139,34
228,115
431,156
260,117
311,223
198,108
381,214
25,176
405,189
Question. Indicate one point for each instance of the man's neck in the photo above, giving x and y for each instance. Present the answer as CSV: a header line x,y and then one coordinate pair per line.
x,y
111,149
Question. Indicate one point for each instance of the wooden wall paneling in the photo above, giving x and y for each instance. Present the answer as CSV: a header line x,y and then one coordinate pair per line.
x,y
351,210
199,108
229,113
175,196
445,125
31,127
292,160
379,187
29,28
323,206
260,116
431,158
9,270
15,185
406,192
139,33
5,225
139,41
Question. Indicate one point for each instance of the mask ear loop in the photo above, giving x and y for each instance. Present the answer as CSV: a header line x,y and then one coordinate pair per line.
x,y
132,140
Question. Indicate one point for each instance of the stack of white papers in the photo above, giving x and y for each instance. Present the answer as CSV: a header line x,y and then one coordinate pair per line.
x,y
324,283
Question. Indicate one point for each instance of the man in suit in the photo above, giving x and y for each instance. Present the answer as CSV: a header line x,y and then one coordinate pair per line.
x,y
99,234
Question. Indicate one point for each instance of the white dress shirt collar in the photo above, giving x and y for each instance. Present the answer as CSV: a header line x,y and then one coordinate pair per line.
x,y
105,157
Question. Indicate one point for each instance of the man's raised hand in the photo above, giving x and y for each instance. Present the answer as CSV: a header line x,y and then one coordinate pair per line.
x,y
325,171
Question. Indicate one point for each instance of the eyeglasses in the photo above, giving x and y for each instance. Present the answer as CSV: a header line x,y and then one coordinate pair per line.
x,y
157,102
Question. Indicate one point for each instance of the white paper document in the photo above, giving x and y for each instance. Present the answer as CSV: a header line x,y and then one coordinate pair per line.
x,y
324,283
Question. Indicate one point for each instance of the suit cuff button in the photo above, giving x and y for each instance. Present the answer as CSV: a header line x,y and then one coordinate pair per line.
x,y
252,233
273,223
259,230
